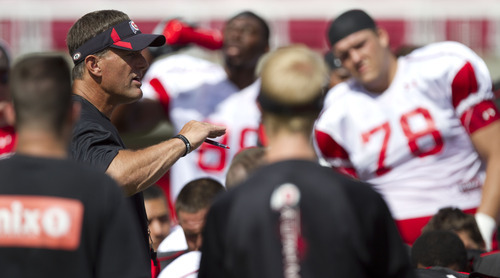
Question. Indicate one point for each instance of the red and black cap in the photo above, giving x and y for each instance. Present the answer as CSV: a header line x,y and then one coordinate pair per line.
x,y
125,35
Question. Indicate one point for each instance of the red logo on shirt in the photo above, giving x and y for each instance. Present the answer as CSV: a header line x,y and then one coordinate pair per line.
x,y
40,222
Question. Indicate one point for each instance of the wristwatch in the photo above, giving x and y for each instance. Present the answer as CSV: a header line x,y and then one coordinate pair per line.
x,y
186,141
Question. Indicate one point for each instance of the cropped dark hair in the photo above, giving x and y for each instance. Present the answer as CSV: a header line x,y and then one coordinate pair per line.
x,y
439,248
197,194
40,85
153,192
454,219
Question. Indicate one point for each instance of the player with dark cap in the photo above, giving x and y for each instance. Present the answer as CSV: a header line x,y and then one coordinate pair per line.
x,y
106,49
293,217
419,127
348,23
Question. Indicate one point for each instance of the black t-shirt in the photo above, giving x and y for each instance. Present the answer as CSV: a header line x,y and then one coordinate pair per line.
x,y
96,142
296,216
41,200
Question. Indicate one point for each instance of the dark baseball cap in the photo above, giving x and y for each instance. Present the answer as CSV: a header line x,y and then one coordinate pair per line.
x,y
347,23
125,35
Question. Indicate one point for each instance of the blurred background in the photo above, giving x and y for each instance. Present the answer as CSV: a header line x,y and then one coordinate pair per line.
x,y
41,25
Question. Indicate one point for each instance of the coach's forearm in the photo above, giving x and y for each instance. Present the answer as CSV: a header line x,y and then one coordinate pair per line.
x,y
136,170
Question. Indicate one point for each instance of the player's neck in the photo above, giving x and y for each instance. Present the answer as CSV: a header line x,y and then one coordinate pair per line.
x,y
94,94
242,77
41,144
393,69
289,146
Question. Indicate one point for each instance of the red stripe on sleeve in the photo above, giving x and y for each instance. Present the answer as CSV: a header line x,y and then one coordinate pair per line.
x,y
331,150
480,115
329,147
162,94
347,171
463,84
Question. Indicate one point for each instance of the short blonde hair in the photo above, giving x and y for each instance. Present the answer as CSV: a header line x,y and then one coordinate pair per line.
x,y
293,77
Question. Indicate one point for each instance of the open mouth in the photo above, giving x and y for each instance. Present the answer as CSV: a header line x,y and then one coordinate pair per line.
x,y
233,50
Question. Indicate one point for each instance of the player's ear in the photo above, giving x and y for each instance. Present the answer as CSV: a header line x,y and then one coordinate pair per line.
x,y
92,65
383,37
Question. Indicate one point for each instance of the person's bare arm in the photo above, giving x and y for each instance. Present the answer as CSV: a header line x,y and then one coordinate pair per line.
x,y
487,142
136,170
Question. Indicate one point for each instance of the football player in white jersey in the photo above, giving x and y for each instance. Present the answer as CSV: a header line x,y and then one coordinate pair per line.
x,y
423,129
191,88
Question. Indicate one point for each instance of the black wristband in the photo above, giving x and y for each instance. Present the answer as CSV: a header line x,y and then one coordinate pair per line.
x,y
186,142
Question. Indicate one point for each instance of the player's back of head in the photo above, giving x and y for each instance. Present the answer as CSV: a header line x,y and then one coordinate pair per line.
x,y
454,219
439,248
197,194
292,90
41,91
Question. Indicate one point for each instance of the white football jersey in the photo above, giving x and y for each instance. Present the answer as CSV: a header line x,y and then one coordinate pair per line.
x,y
197,89
410,141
